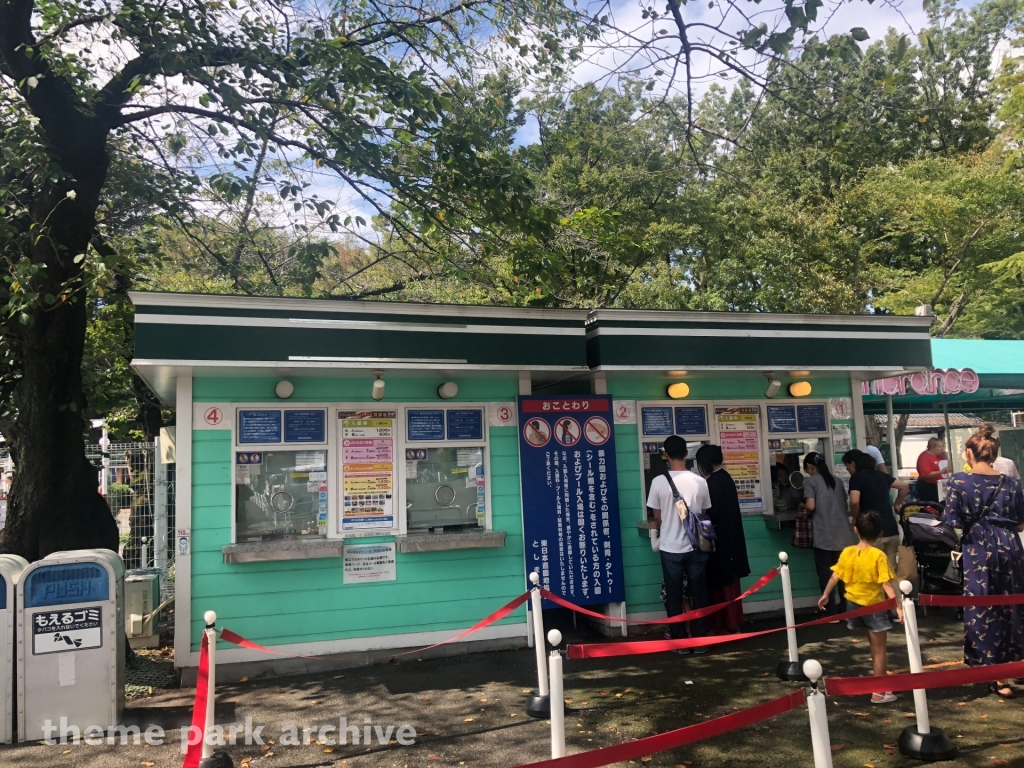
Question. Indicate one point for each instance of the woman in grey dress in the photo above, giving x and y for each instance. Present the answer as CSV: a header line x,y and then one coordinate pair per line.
x,y
825,501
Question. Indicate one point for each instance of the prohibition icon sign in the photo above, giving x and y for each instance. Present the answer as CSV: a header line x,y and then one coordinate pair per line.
x,y
597,430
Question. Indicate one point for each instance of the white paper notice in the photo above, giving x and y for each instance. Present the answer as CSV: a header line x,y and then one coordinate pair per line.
x,y
368,563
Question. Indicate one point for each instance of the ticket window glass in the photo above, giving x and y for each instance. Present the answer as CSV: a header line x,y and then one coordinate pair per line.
x,y
443,489
278,494
788,459
446,486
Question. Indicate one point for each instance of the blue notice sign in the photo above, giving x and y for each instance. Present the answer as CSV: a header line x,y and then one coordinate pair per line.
x,y
781,418
571,497
305,426
656,421
424,425
811,418
691,420
259,426
466,424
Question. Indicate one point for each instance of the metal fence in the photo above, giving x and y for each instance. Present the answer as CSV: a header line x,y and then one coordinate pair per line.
x,y
140,492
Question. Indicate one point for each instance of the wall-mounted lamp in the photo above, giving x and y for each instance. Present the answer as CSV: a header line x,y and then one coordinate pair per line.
x,y
448,390
800,389
284,389
773,385
678,390
378,386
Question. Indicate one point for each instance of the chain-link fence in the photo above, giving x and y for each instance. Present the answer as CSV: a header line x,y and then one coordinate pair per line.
x,y
140,492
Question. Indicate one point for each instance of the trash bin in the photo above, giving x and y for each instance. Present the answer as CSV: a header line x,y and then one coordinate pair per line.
x,y
70,644
11,567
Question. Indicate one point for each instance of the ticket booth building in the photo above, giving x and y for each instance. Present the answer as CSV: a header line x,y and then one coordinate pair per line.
x,y
348,473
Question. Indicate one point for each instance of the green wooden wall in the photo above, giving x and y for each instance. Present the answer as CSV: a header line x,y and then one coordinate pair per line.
x,y
642,565
305,600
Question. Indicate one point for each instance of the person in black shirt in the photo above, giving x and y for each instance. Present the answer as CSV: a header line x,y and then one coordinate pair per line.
x,y
869,490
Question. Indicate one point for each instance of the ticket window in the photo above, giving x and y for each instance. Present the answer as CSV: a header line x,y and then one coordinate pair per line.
x,y
446,473
787,460
794,430
659,420
277,494
656,463
280,473
443,489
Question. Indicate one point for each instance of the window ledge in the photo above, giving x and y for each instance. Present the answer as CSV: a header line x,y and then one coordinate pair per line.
x,y
298,549
438,542
644,529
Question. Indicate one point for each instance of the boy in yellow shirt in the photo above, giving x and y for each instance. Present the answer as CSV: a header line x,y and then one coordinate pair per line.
x,y
869,579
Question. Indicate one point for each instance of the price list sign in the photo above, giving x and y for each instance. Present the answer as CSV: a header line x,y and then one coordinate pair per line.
x,y
570,497
739,435
367,471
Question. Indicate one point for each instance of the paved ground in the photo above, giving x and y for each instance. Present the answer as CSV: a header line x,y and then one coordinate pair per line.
x,y
468,711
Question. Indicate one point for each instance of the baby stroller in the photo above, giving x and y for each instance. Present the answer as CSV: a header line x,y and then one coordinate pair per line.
x,y
933,542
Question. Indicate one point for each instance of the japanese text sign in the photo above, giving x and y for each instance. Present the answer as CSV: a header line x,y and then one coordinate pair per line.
x,y
570,497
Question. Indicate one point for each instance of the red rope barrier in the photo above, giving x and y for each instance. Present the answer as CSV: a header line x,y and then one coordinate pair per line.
x,y
962,601
678,738
853,686
194,753
690,616
231,637
607,650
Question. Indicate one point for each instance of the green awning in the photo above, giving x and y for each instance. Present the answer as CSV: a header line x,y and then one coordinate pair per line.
x,y
1000,369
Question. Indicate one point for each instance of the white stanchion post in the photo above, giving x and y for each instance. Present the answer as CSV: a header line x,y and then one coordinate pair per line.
x,y
789,668
821,744
920,740
538,704
211,685
557,696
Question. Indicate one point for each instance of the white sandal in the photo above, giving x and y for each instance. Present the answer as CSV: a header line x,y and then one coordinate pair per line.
x,y
883,698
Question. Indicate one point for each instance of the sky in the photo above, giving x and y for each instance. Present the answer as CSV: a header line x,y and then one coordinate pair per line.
x,y
835,18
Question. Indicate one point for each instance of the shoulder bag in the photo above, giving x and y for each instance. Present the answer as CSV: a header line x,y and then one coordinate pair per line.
x,y
700,524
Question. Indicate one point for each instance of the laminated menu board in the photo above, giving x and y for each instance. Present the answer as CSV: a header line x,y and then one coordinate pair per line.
x,y
739,435
367,440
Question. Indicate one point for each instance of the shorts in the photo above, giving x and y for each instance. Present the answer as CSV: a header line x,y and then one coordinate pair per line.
x,y
873,622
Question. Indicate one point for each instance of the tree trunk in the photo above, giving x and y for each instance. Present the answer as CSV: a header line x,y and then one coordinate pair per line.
x,y
55,503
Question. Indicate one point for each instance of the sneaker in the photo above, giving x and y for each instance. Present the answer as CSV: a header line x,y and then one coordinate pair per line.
x,y
681,651
883,698
699,651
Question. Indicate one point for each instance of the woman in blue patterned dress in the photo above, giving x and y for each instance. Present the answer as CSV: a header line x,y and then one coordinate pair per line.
x,y
989,508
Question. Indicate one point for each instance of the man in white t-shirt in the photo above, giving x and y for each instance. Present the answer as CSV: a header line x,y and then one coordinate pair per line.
x,y
679,554
876,454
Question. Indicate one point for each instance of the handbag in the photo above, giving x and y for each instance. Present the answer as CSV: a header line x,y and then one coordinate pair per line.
x,y
705,531
803,536
906,564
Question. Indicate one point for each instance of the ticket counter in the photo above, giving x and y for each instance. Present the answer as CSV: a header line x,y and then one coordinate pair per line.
x,y
350,475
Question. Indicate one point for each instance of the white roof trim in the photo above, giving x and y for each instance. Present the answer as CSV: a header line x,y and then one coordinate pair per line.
x,y
299,323
146,299
654,316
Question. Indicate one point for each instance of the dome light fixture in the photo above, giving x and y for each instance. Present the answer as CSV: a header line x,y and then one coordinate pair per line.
x,y
284,389
679,390
800,389
448,390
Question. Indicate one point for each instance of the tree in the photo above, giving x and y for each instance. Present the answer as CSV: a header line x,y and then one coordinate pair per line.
x,y
940,232
192,91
